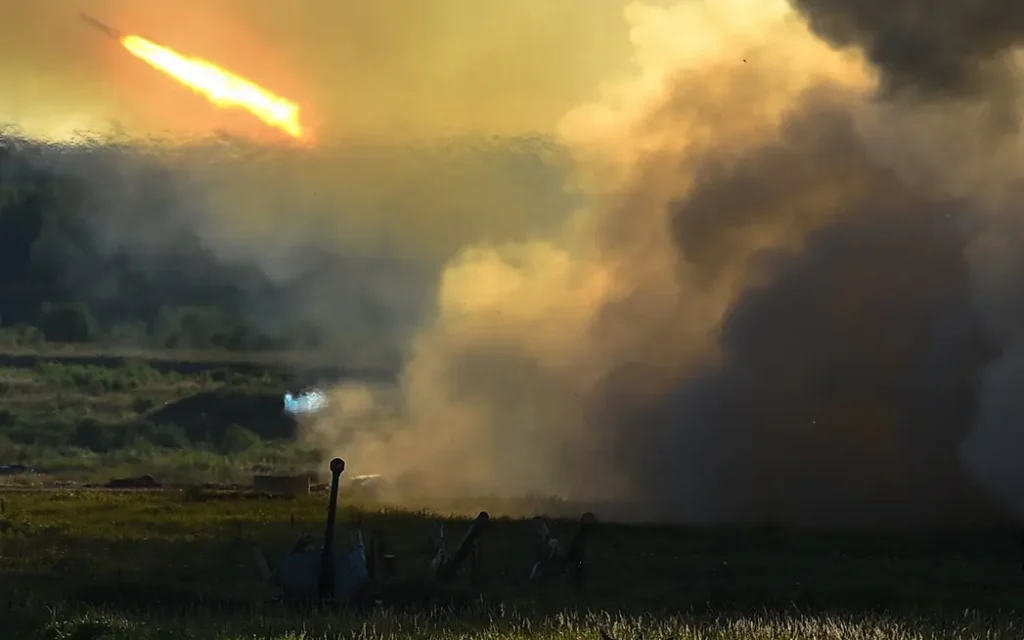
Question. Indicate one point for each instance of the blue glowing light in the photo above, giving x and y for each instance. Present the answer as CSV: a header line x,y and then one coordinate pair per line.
x,y
308,402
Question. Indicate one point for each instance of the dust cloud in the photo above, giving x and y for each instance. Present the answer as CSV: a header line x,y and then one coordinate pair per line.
x,y
791,295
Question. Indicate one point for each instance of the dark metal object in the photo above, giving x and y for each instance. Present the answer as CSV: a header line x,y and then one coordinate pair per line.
x,y
308,572
555,558
373,553
448,567
1020,541
103,28
381,565
574,559
325,585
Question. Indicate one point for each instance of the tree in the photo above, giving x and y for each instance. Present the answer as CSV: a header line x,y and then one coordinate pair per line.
x,y
127,334
67,323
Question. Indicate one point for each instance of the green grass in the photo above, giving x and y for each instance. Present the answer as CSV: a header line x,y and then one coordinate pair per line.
x,y
178,565
374,361
60,351
87,422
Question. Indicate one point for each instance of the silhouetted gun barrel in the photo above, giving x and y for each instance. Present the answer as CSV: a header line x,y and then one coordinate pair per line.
x,y
574,552
326,582
448,569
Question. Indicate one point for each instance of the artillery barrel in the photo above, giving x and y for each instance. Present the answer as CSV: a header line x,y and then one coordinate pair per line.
x,y
450,568
574,550
326,582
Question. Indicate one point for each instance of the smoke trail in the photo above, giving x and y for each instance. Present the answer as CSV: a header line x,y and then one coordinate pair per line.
x,y
774,306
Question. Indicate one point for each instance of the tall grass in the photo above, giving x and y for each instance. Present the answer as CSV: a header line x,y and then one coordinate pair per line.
x,y
92,565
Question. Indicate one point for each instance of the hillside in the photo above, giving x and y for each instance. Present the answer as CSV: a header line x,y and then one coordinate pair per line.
x,y
86,422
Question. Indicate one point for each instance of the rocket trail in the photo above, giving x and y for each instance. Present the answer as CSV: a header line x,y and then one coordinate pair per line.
x,y
105,29
219,86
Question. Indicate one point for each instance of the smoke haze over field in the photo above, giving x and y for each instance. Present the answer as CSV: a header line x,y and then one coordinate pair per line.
x,y
784,286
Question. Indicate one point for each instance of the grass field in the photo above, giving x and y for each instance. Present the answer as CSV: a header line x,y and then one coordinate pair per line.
x,y
195,360
91,565
184,422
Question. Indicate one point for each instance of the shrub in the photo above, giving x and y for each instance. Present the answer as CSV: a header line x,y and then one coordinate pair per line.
x,y
238,439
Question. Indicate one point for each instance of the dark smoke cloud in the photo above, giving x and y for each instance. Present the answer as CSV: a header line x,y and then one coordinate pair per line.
x,y
939,47
826,401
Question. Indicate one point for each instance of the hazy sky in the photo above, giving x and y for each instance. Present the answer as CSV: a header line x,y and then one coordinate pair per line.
x,y
357,68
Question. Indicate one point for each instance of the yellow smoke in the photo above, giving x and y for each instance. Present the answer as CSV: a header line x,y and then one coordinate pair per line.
x,y
494,388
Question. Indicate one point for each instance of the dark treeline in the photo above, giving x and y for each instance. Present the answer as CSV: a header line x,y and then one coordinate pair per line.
x,y
223,244
43,237
61,282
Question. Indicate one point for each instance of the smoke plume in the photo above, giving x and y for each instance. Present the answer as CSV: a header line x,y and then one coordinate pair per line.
x,y
957,47
781,301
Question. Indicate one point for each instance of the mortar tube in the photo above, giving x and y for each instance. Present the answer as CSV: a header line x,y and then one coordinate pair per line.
x,y
325,585
450,568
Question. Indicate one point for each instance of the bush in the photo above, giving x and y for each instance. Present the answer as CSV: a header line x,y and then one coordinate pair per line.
x,y
99,437
23,336
169,436
127,335
96,379
87,434
238,439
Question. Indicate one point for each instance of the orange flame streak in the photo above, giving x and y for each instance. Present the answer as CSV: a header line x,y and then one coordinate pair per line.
x,y
220,87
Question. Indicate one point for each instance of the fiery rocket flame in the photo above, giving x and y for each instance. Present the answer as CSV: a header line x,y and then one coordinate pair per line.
x,y
220,87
